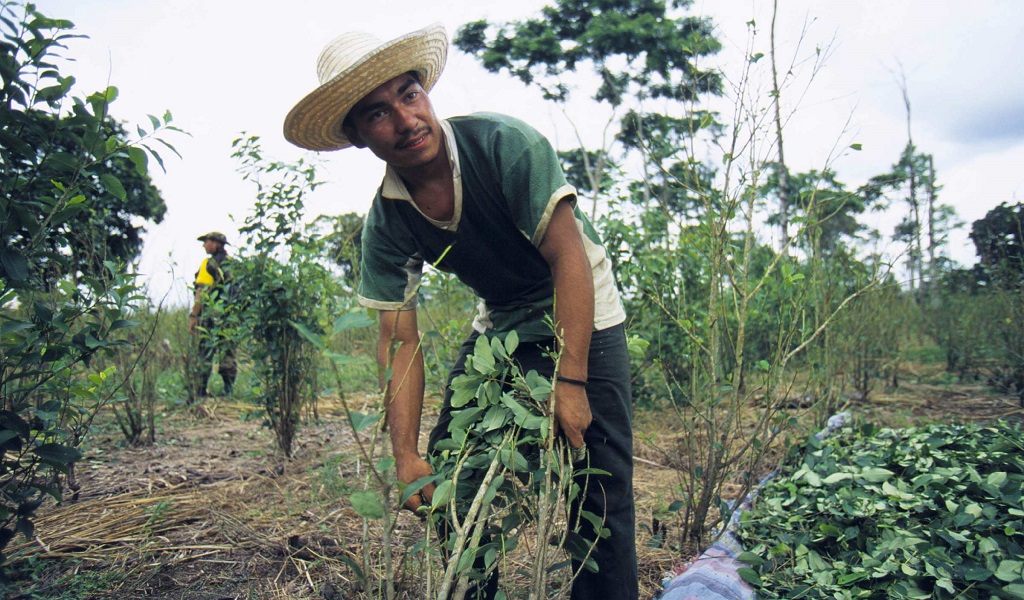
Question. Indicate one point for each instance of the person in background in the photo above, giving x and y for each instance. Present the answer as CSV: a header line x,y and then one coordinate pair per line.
x,y
210,294
484,197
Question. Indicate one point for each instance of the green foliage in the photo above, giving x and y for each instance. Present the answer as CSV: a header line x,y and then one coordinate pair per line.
x,y
47,136
977,316
283,288
657,49
342,241
1007,319
822,202
636,51
999,241
60,175
50,393
912,180
723,312
930,512
866,342
961,323
726,315
662,275
590,172
140,362
501,469
446,308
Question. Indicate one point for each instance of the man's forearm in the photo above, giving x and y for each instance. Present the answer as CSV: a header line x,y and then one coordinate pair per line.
x,y
403,395
574,293
401,371
574,318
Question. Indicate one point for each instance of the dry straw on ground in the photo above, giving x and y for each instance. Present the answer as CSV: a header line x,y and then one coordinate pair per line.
x,y
211,511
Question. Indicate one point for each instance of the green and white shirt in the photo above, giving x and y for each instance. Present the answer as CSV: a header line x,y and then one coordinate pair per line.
x,y
507,183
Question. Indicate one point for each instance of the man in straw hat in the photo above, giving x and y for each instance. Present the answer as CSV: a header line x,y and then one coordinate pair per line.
x,y
482,196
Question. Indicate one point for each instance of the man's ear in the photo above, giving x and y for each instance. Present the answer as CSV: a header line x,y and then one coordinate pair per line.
x,y
353,135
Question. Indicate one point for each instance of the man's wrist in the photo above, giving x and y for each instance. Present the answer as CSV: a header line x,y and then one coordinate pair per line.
x,y
404,455
572,381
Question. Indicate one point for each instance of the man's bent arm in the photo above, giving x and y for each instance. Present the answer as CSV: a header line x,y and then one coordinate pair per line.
x,y
562,248
400,363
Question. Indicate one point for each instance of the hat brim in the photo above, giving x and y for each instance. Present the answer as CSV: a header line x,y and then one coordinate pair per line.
x,y
315,122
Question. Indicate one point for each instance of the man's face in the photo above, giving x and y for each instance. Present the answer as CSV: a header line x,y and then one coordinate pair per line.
x,y
210,246
397,123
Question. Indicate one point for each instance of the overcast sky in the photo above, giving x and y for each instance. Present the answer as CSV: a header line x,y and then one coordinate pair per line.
x,y
223,67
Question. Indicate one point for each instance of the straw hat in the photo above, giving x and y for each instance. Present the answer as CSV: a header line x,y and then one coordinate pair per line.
x,y
350,67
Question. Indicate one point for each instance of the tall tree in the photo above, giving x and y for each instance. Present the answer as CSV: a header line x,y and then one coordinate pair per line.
x,y
634,51
913,180
911,229
902,183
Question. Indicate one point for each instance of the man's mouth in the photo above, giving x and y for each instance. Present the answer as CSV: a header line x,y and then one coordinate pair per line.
x,y
415,140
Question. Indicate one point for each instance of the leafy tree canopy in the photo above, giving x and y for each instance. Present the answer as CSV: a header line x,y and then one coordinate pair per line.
x,y
46,136
623,53
343,240
636,47
999,242
821,202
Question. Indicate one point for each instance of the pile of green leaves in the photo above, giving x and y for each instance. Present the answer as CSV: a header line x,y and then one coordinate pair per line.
x,y
931,512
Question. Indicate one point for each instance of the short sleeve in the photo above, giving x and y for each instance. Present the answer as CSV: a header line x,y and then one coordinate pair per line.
x,y
532,180
389,277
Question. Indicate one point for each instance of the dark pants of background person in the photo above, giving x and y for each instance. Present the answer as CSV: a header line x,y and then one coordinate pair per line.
x,y
210,346
610,448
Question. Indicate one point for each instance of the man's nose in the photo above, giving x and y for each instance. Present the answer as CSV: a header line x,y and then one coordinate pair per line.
x,y
405,119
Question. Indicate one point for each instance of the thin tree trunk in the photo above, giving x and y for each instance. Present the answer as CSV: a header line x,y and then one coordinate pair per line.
x,y
932,242
783,171
916,254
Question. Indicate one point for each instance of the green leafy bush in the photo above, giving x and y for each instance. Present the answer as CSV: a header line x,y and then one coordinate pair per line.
x,y
502,470
932,512
281,287
65,167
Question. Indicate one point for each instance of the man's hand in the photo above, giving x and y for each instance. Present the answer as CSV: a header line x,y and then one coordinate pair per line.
x,y
572,412
192,324
408,471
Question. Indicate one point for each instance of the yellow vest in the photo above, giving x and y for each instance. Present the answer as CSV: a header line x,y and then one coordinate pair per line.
x,y
203,277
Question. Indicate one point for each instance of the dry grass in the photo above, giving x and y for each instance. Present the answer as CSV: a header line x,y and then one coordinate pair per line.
x,y
211,510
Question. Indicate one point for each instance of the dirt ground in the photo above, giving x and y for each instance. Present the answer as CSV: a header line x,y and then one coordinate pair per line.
x,y
211,511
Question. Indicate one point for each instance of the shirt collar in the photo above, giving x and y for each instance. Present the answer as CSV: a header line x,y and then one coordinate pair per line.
x,y
394,188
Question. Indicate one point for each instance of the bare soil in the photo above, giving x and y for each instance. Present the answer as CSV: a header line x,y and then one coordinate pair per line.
x,y
212,511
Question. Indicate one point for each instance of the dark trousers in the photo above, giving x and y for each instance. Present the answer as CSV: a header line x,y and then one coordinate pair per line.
x,y
216,348
610,448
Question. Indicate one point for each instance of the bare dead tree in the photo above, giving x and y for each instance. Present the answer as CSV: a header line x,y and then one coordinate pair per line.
x,y
783,170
